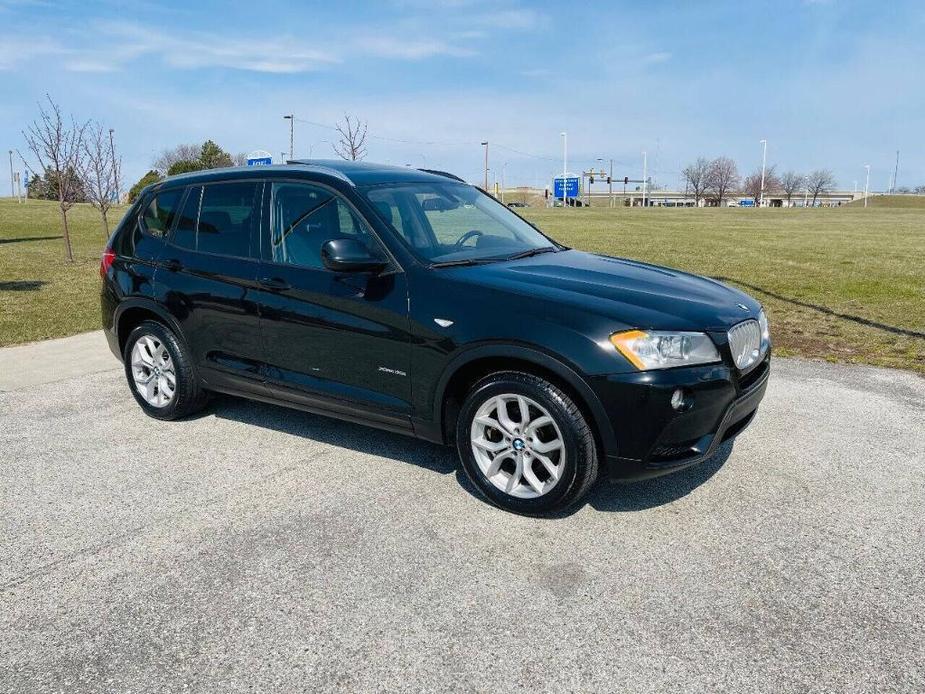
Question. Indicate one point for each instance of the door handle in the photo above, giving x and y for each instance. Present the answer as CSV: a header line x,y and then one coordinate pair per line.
x,y
173,265
273,283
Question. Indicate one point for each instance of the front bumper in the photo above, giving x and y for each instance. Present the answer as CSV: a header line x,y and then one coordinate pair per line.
x,y
655,439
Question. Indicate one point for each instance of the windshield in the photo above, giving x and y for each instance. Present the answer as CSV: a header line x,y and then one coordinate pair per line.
x,y
447,222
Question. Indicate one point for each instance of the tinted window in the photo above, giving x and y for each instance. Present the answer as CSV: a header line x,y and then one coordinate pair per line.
x,y
185,233
159,214
303,217
219,218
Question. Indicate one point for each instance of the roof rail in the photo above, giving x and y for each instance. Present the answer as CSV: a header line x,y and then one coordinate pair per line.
x,y
442,173
327,170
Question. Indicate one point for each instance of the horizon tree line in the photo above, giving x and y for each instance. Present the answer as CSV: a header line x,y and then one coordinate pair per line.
x,y
715,180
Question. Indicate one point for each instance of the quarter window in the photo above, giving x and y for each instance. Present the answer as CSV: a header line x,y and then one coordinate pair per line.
x,y
303,217
160,212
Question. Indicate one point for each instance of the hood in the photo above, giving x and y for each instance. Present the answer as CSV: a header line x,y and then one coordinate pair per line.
x,y
636,294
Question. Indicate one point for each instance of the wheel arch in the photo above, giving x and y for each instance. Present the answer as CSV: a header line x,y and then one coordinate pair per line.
x,y
133,312
467,368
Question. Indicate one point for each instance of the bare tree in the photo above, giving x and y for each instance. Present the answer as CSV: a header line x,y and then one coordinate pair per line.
x,y
722,178
818,182
791,183
751,186
239,159
99,172
169,157
697,177
352,143
59,150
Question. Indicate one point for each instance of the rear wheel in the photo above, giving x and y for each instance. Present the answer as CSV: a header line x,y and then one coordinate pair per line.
x,y
160,373
525,444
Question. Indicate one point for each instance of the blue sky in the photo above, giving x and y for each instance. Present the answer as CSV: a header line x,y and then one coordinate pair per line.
x,y
830,84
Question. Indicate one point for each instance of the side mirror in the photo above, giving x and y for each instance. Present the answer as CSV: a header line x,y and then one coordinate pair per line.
x,y
350,255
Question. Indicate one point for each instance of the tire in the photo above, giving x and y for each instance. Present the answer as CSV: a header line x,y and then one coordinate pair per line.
x,y
187,396
566,442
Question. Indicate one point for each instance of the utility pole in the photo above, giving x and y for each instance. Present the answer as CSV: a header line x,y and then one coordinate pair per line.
x,y
485,145
610,182
895,172
564,169
866,184
645,164
291,119
764,161
12,185
115,167
503,167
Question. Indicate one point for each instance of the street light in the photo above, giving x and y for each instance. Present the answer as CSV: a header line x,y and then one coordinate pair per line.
x,y
115,167
645,177
866,184
485,184
503,167
291,119
764,161
564,136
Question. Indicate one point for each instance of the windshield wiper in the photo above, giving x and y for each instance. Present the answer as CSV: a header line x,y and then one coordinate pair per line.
x,y
532,252
464,261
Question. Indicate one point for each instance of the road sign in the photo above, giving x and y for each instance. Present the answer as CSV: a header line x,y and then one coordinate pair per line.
x,y
571,186
259,158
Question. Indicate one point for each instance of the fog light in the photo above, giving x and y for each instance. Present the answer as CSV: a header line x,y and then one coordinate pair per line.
x,y
680,400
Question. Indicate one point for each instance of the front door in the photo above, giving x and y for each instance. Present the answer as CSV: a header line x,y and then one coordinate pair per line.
x,y
333,340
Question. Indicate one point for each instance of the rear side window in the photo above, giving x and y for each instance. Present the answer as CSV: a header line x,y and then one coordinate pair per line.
x,y
220,218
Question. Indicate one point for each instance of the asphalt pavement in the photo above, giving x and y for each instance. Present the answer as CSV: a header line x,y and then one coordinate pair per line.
x,y
255,548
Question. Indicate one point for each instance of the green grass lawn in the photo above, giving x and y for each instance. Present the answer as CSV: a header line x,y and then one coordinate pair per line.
x,y
844,284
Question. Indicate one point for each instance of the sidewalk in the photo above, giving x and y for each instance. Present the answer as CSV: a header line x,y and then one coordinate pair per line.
x,y
48,361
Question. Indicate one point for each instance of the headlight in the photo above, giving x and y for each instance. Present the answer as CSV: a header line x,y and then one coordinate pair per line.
x,y
765,331
655,349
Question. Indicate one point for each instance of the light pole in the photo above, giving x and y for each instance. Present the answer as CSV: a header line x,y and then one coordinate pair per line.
x,y
866,184
12,185
485,145
764,161
645,179
503,167
564,169
291,119
115,167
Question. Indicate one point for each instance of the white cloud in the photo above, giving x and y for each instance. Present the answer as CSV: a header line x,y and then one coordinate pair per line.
x,y
394,47
657,57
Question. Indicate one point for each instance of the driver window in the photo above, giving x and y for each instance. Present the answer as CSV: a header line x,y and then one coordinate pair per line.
x,y
303,217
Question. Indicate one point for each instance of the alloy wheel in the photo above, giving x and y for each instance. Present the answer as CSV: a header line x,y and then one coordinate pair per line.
x,y
518,445
153,371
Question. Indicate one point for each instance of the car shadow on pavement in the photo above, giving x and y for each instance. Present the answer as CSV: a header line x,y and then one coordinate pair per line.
x,y
605,496
335,432
657,491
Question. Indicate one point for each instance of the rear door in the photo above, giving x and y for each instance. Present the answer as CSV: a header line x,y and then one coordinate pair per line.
x,y
337,340
208,274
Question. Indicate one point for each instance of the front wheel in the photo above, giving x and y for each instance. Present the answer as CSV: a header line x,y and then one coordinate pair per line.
x,y
525,444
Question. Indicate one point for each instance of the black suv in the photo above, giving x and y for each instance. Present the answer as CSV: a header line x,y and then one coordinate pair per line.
x,y
410,301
